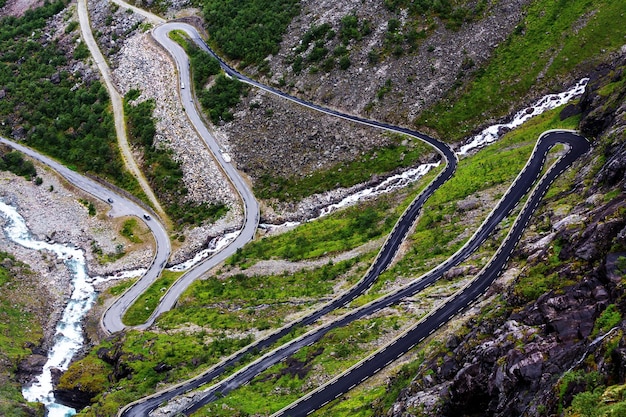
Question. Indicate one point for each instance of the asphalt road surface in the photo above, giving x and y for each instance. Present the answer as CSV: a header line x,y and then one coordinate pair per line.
x,y
120,206
521,187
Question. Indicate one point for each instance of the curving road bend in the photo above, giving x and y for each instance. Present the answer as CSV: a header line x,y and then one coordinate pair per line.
x,y
250,204
120,206
383,259
577,146
521,186
251,207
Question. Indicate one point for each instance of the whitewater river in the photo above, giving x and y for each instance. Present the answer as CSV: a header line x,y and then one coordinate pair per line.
x,y
68,339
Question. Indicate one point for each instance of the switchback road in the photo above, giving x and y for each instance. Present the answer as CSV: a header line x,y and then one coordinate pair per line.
x,y
522,185
120,206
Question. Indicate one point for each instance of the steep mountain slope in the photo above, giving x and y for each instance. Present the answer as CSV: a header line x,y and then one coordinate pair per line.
x,y
449,71
554,338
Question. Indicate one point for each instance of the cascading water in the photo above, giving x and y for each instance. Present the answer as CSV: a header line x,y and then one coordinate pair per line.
x,y
68,338
487,136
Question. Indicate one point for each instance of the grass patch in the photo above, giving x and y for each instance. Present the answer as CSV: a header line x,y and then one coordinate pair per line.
x,y
143,307
136,356
128,231
599,402
609,318
121,287
555,37
339,232
285,382
242,302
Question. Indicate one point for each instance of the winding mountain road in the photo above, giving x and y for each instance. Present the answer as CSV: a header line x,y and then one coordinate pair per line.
x,y
577,146
120,206
529,183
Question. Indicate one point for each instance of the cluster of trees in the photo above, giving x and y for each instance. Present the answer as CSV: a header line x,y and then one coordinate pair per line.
x,y
203,65
163,171
218,101
251,30
53,110
14,162
319,56
223,95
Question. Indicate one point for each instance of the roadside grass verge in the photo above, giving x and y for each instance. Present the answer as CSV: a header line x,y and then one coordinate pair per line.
x,y
143,307
129,231
285,382
552,41
336,233
243,302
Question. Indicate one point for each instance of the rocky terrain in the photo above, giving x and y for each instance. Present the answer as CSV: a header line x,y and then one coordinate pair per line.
x,y
140,63
355,90
513,362
434,66
508,363
54,212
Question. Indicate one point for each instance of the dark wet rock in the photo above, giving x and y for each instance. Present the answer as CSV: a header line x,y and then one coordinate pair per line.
x,y
29,367
569,111
56,374
74,398
162,367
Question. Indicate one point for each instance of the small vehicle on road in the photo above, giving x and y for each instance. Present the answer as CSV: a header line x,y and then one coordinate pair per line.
x,y
110,200
146,216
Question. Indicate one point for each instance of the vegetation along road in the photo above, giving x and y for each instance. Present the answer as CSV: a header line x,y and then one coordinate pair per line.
x,y
576,145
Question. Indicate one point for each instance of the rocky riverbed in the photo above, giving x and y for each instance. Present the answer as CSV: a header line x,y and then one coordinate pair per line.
x,y
57,212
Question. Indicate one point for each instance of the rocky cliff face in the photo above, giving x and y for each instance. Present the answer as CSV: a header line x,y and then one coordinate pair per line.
x,y
527,356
